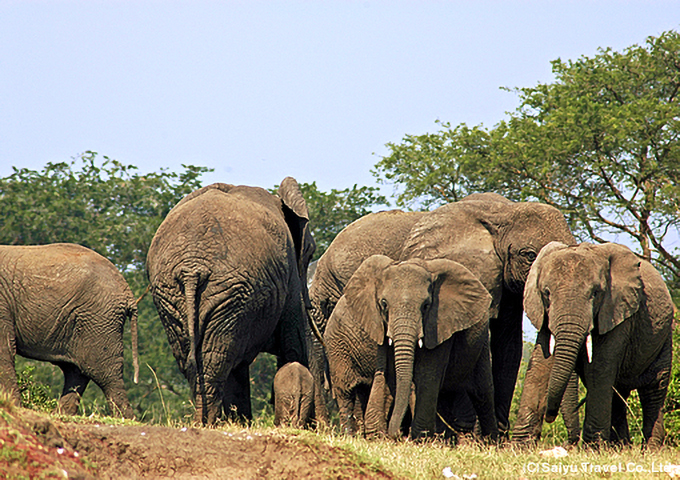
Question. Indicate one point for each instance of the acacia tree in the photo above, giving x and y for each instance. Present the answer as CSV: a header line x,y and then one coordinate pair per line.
x,y
600,143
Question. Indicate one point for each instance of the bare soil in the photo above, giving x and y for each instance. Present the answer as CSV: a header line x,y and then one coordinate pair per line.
x,y
33,445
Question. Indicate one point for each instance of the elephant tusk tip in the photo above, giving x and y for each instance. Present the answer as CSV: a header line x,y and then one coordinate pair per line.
x,y
552,344
420,343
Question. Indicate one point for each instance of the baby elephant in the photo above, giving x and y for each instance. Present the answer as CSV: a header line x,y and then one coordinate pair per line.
x,y
607,315
415,324
65,304
293,395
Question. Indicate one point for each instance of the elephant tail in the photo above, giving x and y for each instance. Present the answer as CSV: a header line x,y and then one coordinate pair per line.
x,y
133,314
192,280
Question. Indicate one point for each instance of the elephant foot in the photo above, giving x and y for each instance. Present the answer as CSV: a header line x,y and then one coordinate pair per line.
x,y
68,404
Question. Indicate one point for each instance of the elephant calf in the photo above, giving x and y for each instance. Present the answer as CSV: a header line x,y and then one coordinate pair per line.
x,y
606,314
65,304
293,395
419,324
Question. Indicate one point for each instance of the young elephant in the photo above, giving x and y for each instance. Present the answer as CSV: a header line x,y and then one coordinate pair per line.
x,y
293,395
413,323
609,316
65,304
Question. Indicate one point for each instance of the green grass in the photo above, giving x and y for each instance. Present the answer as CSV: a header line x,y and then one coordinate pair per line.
x,y
427,460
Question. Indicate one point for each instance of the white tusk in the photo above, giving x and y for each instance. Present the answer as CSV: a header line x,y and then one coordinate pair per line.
x,y
589,348
389,341
420,342
552,344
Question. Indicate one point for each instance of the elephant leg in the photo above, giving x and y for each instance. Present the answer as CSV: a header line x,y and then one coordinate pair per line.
x,y
235,396
306,410
653,396
456,408
8,374
75,384
597,423
378,406
652,401
532,403
107,373
619,430
363,392
317,367
455,414
346,405
429,369
506,352
481,395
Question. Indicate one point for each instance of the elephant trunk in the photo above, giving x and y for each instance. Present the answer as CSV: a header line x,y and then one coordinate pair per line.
x,y
404,351
568,341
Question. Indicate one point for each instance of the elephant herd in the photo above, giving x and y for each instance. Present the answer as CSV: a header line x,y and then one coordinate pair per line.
x,y
412,321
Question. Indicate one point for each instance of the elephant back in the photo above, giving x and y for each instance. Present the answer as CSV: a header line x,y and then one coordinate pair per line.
x,y
239,229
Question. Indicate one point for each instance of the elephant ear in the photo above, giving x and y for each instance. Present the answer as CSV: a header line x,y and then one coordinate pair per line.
x,y
360,293
533,301
297,217
623,295
459,301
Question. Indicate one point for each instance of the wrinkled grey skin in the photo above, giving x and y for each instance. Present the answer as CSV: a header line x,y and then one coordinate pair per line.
x,y
529,423
426,324
496,239
377,233
352,357
67,305
605,292
227,269
293,396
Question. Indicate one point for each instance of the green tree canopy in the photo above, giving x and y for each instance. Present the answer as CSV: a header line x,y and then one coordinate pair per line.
x,y
600,143
106,207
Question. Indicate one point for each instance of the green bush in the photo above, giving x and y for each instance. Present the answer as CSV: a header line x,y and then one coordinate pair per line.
x,y
34,395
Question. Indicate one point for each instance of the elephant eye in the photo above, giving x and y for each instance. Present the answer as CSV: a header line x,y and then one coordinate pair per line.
x,y
383,304
530,255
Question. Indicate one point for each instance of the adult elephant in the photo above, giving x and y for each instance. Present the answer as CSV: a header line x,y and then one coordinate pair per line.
x,y
376,233
227,269
419,322
609,316
67,305
493,237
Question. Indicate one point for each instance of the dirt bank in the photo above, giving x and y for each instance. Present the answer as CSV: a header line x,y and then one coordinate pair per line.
x,y
37,445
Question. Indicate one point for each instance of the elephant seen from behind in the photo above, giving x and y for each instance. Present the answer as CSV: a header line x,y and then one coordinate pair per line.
x,y
293,396
605,313
66,304
412,323
227,269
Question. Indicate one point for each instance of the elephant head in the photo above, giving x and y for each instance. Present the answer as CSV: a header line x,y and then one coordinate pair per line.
x,y
413,304
574,293
518,239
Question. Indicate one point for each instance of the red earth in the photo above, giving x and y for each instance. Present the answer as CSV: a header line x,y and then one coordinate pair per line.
x,y
34,445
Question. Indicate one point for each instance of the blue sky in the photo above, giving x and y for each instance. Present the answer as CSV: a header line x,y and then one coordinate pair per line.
x,y
261,90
